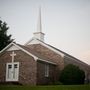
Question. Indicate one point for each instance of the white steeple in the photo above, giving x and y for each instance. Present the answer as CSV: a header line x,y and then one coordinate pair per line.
x,y
39,34
39,24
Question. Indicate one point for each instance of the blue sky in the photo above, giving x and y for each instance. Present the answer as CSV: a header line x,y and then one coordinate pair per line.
x,y
66,23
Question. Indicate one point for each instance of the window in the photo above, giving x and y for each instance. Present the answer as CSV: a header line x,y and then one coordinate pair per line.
x,y
46,70
9,66
9,69
15,65
12,71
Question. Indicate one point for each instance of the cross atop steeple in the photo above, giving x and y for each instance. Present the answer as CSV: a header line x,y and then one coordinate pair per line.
x,y
39,34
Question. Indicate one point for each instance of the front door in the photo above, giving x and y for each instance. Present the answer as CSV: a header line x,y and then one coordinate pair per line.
x,y
12,71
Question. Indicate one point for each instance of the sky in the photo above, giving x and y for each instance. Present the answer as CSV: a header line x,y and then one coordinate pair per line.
x,y
66,23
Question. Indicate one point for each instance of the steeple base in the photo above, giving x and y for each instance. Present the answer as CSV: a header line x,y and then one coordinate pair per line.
x,y
39,35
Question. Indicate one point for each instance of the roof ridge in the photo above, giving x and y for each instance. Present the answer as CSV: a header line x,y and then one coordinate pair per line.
x,y
76,59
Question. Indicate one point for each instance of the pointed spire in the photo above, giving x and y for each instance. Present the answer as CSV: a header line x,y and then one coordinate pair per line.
x,y
39,24
39,34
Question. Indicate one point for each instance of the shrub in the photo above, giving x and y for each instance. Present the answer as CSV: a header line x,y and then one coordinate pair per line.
x,y
71,74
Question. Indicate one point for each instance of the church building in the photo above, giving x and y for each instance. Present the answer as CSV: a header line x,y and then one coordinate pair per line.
x,y
36,62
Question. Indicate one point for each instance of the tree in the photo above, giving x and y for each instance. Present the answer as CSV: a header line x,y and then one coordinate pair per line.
x,y
71,74
4,38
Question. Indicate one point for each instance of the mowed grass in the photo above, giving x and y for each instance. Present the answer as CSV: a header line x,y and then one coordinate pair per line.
x,y
56,87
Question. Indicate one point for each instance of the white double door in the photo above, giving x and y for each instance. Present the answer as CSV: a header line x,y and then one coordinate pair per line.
x,y
12,71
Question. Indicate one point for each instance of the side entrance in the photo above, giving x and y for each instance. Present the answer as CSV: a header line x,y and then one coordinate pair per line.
x,y
12,71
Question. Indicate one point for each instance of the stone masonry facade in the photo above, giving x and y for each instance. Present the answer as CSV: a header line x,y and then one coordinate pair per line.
x,y
27,67
32,72
51,55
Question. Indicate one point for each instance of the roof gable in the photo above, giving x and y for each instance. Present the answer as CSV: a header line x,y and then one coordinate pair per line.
x,y
55,50
13,46
37,41
33,41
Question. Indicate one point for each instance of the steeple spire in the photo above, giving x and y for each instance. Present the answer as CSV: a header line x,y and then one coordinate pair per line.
x,y
39,34
39,24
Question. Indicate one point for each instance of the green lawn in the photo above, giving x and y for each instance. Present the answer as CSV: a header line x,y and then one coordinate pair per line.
x,y
57,87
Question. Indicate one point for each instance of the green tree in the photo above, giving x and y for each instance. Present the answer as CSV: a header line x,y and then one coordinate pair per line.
x,y
72,74
4,38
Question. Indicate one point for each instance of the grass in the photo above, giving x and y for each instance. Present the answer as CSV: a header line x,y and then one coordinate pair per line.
x,y
56,87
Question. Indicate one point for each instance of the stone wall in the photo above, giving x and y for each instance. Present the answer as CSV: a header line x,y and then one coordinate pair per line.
x,y
27,70
41,78
51,55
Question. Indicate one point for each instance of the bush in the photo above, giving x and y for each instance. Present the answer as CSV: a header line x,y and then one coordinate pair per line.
x,y
71,74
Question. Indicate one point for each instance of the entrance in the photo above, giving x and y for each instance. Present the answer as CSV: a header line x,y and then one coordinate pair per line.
x,y
12,71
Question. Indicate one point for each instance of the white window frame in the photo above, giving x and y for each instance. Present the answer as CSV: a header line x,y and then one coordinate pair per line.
x,y
46,70
7,71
